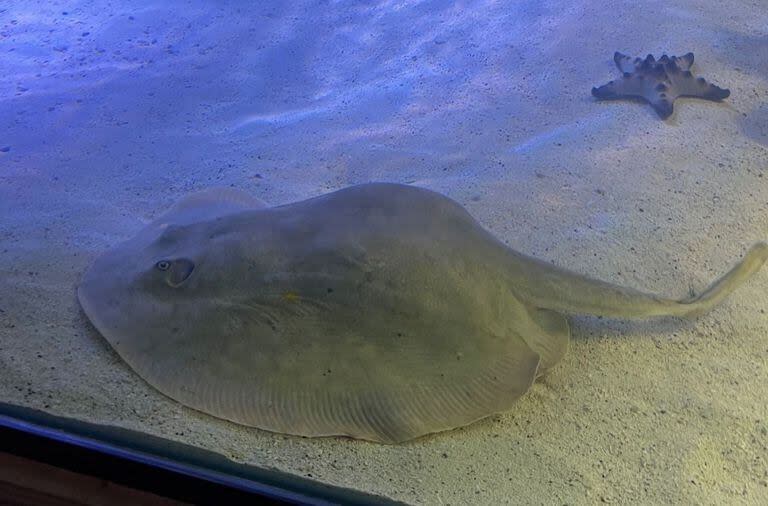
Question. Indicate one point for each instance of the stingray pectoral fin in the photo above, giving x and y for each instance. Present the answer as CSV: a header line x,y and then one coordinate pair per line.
x,y
214,202
360,400
397,416
550,339
562,290
205,205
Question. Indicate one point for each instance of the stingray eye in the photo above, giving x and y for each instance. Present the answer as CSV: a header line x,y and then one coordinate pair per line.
x,y
163,265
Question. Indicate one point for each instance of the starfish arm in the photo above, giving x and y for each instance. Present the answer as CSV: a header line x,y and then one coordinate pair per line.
x,y
685,84
627,64
627,86
684,62
663,106
606,91
624,62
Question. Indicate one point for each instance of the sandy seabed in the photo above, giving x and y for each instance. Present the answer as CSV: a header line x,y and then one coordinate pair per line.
x,y
111,111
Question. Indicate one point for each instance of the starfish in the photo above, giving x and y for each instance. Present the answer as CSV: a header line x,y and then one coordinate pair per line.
x,y
659,82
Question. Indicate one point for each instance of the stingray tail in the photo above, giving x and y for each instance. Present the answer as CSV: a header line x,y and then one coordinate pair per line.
x,y
573,293
725,284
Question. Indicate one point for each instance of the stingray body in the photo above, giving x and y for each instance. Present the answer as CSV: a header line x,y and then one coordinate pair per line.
x,y
380,311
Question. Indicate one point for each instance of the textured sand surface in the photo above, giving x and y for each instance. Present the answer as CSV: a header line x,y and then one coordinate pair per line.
x,y
110,111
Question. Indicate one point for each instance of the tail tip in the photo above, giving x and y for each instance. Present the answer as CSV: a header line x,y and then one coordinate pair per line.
x,y
758,251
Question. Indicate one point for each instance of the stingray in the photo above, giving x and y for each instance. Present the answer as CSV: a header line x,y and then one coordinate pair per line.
x,y
380,311
659,82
